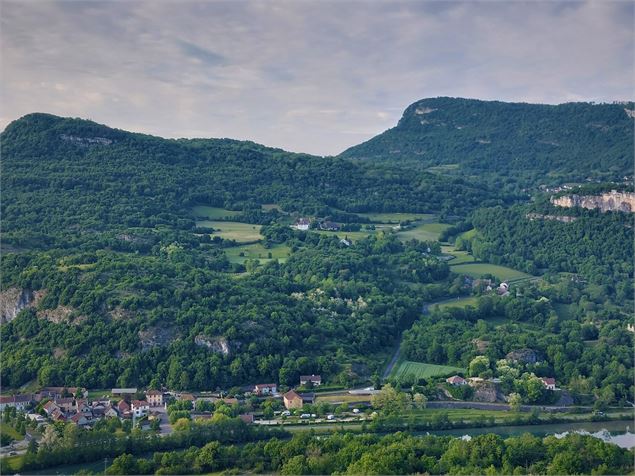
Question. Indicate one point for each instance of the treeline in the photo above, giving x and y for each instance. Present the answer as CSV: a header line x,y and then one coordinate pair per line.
x,y
399,453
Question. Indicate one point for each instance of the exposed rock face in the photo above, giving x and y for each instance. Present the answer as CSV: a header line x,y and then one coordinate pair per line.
x,y
611,201
59,315
216,344
157,336
523,356
13,300
485,392
86,141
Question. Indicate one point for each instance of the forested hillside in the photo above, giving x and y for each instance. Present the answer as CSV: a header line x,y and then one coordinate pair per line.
x,y
519,143
65,179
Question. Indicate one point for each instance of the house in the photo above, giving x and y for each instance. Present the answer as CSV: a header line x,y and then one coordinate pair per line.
x,y
20,402
292,400
111,413
79,419
57,415
36,417
66,404
50,407
345,242
266,389
154,398
308,398
247,417
503,289
456,380
58,392
139,408
314,380
122,392
123,408
187,397
302,224
549,383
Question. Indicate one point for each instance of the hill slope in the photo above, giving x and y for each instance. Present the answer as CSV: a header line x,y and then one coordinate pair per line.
x,y
524,142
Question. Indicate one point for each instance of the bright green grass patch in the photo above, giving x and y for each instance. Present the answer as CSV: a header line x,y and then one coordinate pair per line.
x,y
420,370
96,393
460,302
13,463
476,270
425,232
213,213
468,235
6,429
257,251
395,217
267,207
460,257
349,235
231,230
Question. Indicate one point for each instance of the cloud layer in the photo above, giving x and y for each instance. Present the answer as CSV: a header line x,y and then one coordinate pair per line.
x,y
303,75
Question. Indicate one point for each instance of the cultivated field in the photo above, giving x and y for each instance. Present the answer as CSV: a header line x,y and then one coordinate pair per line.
x,y
420,370
231,230
476,270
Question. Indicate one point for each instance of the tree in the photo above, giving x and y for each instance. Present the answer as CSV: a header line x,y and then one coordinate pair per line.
x,y
391,400
478,365
515,401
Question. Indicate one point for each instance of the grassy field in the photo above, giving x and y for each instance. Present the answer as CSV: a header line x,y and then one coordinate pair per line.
x,y
349,235
343,398
425,232
395,217
231,230
476,270
6,429
213,213
420,370
270,206
460,302
257,251
460,257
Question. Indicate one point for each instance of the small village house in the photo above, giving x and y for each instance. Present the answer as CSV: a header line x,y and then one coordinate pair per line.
x,y
292,400
154,398
456,380
20,402
314,380
140,408
549,383
302,224
262,389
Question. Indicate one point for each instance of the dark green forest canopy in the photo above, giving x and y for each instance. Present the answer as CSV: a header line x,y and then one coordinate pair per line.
x,y
75,177
519,143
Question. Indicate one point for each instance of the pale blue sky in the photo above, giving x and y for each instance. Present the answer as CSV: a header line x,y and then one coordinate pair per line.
x,y
306,76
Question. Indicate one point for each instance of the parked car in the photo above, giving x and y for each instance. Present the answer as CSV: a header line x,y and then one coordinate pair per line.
x,y
355,410
286,413
305,416
330,417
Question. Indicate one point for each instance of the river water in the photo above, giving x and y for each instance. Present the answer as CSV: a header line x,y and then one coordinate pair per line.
x,y
617,432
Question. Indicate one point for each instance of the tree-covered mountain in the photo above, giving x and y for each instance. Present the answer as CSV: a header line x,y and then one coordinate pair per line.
x,y
523,143
71,174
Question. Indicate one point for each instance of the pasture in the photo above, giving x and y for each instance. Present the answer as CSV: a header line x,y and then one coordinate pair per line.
x,y
239,254
459,257
213,213
476,270
349,235
421,370
425,232
231,230
459,302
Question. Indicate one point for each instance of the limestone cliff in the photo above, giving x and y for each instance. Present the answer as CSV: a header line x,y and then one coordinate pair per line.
x,y
610,201
12,301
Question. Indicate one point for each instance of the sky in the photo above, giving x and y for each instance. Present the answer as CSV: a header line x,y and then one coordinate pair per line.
x,y
306,76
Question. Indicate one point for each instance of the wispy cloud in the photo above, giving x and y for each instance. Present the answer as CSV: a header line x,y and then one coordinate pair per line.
x,y
306,76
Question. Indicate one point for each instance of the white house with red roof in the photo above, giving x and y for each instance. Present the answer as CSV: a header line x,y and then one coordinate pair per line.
x,y
139,408
549,383
266,389
456,380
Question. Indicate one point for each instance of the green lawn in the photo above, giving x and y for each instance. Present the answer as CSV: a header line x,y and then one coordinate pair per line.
x,y
460,302
270,206
9,430
476,270
257,251
349,235
420,370
425,232
395,217
231,230
460,257
213,213
13,462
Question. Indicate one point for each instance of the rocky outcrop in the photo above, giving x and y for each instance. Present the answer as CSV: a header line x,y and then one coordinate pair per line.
x,y
485,392
612,201
157,337
60,315
523,356
86,141
14,299
215,344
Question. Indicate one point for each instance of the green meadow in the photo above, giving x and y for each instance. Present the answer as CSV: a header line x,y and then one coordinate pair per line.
x,y
425,232
239,254
231,230
476,270
421,370
394,218
213,213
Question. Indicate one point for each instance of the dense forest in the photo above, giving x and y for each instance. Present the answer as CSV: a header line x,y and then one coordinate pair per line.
x,y
511,144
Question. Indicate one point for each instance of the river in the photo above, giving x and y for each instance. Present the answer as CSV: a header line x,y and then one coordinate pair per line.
x,y
617,432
